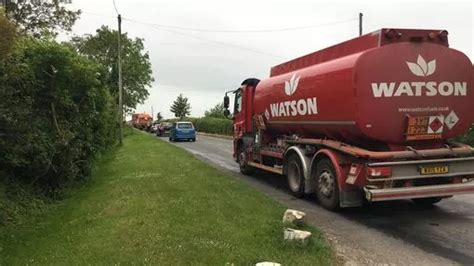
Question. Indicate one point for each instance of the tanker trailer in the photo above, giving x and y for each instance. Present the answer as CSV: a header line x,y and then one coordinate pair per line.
x,y
370,119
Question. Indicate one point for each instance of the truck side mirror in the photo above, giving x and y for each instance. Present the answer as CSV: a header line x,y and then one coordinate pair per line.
x,y
226,113
226,102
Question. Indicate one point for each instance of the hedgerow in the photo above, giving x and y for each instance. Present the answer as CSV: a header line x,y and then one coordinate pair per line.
x,y
56,114
222,126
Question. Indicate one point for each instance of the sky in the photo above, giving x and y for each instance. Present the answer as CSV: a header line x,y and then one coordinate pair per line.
x,y
204,48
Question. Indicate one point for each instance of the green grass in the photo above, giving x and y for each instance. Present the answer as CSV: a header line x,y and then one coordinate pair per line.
x,y
152,203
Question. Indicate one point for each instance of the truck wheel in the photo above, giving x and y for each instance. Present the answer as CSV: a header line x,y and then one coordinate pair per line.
x,y
171,139
295,175
243,164
427,201
327,190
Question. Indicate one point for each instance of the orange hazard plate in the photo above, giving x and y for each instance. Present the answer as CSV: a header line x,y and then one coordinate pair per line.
x,y
424,127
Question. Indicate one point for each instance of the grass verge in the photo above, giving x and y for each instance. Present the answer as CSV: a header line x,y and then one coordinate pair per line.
x,y
152,203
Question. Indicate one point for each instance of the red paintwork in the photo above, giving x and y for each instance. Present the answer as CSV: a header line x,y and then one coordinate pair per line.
x,y
141,119
340,78
359,44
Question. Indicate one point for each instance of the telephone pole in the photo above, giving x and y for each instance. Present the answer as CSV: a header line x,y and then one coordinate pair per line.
x,y
120,77
360,23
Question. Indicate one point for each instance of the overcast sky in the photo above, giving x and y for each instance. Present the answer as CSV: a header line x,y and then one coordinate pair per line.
x,y
203,65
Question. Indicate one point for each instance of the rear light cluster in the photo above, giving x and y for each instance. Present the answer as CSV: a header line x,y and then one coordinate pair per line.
x,y
379,171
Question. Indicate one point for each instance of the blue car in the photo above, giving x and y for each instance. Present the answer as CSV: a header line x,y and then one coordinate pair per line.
x,y
182,131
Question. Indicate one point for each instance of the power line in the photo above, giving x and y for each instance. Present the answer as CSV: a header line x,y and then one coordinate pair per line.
x,y
228,31
115,6
172,29
241,31
213,41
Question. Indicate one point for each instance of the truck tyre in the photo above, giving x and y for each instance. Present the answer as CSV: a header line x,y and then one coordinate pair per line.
x,y
243,163
295,176
171,139
327,189
427,201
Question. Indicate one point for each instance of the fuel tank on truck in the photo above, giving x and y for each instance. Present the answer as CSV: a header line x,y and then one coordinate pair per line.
x,y
393,86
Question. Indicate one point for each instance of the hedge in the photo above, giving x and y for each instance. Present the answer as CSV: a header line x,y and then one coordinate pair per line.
x,y
211,125
56,114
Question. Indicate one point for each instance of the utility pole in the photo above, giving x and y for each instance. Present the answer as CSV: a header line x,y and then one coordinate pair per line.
x,y
120,77
152,114
360,24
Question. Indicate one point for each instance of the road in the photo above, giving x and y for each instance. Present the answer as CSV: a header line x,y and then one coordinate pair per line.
x,y
398,232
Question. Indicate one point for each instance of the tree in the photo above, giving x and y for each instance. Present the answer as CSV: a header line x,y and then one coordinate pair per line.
x,y
136,66
217,111
8,33
181,108
40,18
159,117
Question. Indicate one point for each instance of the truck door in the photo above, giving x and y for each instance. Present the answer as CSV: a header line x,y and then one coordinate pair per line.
x,y
239,114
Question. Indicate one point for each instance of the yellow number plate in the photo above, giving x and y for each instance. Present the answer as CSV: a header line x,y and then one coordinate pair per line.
x,y
431,170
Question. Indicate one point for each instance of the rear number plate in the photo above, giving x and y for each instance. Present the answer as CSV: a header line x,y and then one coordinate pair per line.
x,y
432,170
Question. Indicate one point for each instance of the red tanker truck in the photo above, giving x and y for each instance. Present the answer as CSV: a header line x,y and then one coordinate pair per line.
x,y
141,120
370,119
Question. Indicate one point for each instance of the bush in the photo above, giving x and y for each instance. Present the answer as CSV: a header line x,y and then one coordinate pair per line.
x,y
467,138
56,113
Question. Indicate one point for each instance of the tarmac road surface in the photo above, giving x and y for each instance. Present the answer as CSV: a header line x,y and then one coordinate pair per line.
x,y
397,232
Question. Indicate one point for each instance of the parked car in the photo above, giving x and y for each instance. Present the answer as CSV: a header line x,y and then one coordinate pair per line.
x,y
154,128
183,131
163,129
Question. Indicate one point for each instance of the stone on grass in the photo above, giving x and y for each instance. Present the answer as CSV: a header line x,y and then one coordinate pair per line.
x,y
267,263
299,236
293,217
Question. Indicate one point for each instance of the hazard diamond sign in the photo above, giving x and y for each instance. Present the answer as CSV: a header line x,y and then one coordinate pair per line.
x,y
435,124
425,127
451,120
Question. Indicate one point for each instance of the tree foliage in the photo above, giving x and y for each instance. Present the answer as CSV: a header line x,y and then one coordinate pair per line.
x,y
56,113
467,138
40,18
136,67
181,108
8,34
217,111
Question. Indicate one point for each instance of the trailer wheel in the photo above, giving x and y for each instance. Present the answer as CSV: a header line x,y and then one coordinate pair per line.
x,y
327,190
295,175
243,163
427,201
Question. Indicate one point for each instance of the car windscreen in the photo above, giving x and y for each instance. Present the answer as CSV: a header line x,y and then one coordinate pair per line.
x,y
185,125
